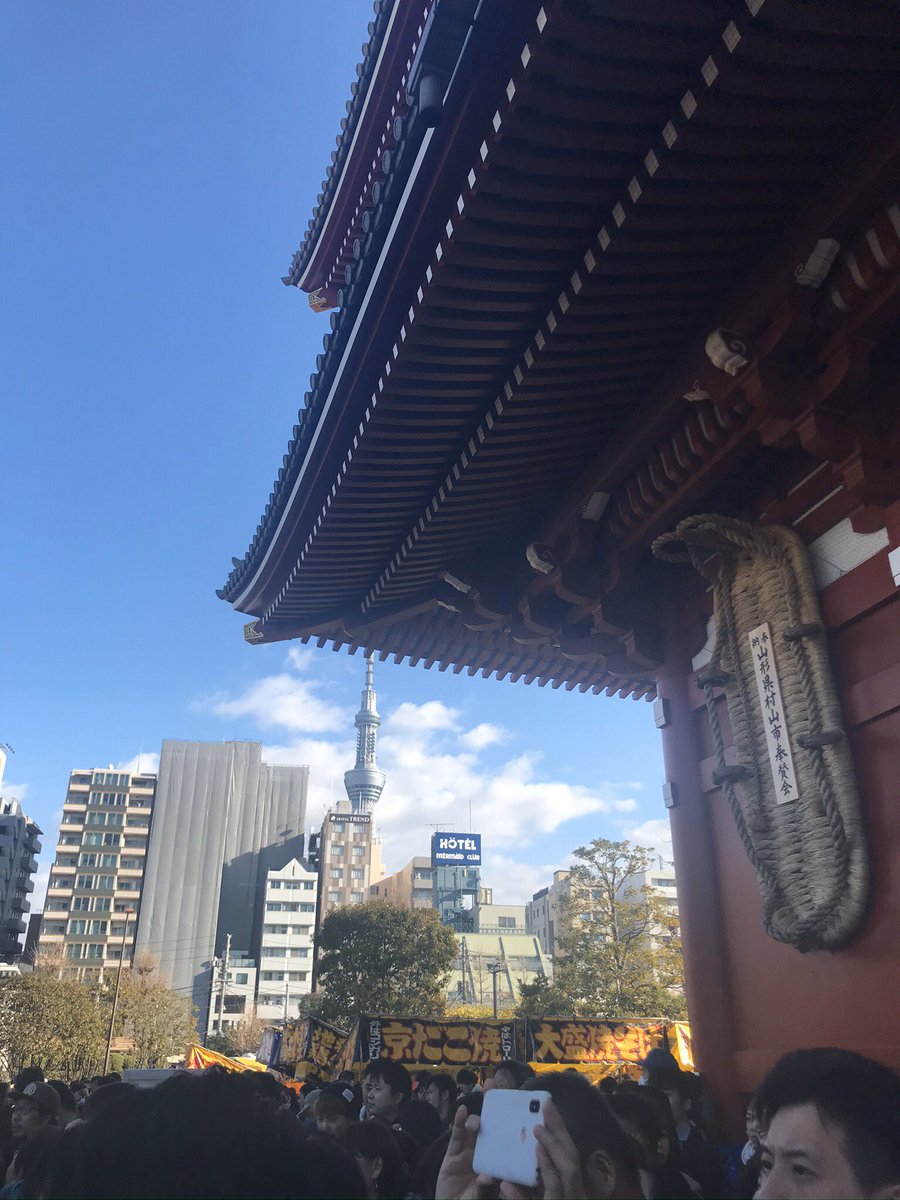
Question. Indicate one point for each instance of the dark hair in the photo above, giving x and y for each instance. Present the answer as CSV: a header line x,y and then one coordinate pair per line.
x,y
391,1073
65,1093
466,1076
204,1136
33,1157
608,1085
858,1095
374,1139
420,1121
587,1116
519,1071
471,1103
445,1084
105,1097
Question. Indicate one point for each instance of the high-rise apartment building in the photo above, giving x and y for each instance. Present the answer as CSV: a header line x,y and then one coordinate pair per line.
x,y
96,881
543,912
222,819
19,848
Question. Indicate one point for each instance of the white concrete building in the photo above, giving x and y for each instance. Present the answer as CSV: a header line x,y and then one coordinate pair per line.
x,y
542,912
287,943
233,993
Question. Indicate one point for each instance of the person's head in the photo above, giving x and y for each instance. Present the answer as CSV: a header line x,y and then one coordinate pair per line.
x,y
607,1085
102,1098
68,1107
33,1108
420,1123
210,1134
640,1118
27,1075
509,1076
31,1161
608,1162
658,1059
386,1085
112,1077
336,1109
420,1084
346,1077
830,1126
680,1089
378,1155
465,1081
440,1094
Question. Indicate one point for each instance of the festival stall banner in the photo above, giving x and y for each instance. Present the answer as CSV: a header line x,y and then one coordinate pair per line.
x,y
323,1043
414,1041
198,1058
269,1051
681,1045
587,1041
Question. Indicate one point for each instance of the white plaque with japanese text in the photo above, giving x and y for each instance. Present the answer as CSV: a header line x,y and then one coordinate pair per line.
x,y
766,671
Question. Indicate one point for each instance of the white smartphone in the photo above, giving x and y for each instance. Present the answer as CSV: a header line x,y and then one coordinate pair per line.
x,y
506,1147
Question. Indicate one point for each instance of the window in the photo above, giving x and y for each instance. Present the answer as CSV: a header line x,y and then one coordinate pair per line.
x,y
336,873
273,906
60,881
241,977
76,927
101,903
264,999
81,904
275,884
274,952
104,882
269,976
98,928
109,860
275,929
112,839
666,883
358,851
94,950
306,908
291,885
506,922
334,897
356,897
87,860
74,950
357,873
131,864
337,826
308,885
84,881
70,839
131,843
338,849
300,952
114,954
235,1004
93,839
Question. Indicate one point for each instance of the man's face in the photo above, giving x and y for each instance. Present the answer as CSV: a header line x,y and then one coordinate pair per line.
x,y
803,1157
681,1109
379,1100
435,1097
27,1119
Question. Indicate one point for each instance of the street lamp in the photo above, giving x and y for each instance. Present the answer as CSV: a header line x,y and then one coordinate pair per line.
x,y
112,1016
495,968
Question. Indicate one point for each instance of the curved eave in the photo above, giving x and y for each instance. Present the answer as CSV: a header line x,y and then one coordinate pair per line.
x,y
357,160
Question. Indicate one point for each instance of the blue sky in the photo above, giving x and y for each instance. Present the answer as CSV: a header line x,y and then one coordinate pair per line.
x,y
161,162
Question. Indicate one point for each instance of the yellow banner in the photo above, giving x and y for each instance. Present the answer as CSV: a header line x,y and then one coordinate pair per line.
x,y
576,1041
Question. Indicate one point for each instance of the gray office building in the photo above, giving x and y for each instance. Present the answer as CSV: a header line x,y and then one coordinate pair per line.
x,y
223,817
19,848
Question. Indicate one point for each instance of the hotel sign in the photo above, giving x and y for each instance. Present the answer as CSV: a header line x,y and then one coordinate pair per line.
x,y
456,849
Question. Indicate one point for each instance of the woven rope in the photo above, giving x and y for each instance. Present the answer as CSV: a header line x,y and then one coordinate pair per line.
x,y
809,855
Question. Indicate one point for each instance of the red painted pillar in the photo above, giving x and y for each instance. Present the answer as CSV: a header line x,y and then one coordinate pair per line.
x,y
703,935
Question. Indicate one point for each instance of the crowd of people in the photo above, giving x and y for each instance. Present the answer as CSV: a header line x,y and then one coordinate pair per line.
x,y
824,1123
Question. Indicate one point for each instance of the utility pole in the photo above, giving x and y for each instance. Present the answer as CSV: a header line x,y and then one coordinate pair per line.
x,y
287,973
226,965
112,1016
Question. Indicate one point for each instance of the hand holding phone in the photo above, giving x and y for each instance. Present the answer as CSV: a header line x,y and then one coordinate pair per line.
x,y
506,1147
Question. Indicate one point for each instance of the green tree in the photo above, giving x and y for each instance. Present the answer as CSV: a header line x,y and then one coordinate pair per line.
x,y
50,1022
620,950
541,998
379,958
159,1021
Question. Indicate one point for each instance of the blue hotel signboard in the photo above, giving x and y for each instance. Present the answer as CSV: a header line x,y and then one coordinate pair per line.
x,y
456,849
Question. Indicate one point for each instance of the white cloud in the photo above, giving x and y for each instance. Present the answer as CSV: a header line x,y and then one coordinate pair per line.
x,y
483,735
144,763
282,701
14,791
434,775
655,834
300,657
